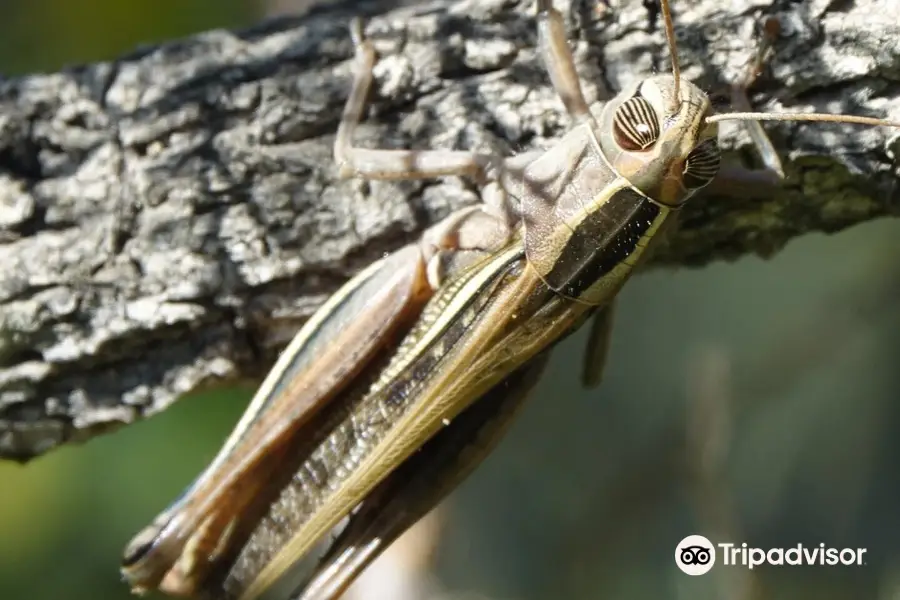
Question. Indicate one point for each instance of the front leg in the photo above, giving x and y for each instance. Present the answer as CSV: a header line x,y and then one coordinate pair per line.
x,y
739,100
554,46
464,230
741,181
394,164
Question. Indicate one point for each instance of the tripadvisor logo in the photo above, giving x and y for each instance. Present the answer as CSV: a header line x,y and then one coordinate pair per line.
x,y
821,555
696,555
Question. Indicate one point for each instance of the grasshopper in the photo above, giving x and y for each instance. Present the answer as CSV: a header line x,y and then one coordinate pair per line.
x,y
404,379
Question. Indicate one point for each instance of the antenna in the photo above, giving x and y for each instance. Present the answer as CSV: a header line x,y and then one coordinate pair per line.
x,y
673,52
760,116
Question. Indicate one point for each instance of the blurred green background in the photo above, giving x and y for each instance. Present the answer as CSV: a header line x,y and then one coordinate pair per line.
x,y
754,401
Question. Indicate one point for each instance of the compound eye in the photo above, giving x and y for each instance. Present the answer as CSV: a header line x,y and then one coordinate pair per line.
x,y
702,164
635,125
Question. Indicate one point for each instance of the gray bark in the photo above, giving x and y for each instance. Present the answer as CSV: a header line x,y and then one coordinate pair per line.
x,y
168,219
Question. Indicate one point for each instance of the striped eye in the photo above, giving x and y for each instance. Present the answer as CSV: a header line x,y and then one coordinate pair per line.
x,y
702,164
635,125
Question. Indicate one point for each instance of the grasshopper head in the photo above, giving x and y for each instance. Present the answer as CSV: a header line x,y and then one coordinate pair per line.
x,y
661,144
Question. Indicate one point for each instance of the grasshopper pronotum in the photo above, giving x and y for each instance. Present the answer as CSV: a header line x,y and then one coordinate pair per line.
x,y
400,383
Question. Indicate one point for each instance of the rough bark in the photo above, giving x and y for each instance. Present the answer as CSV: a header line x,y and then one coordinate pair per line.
x,y
168,219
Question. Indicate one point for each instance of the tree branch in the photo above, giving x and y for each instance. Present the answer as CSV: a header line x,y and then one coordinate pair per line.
x,y
168,219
